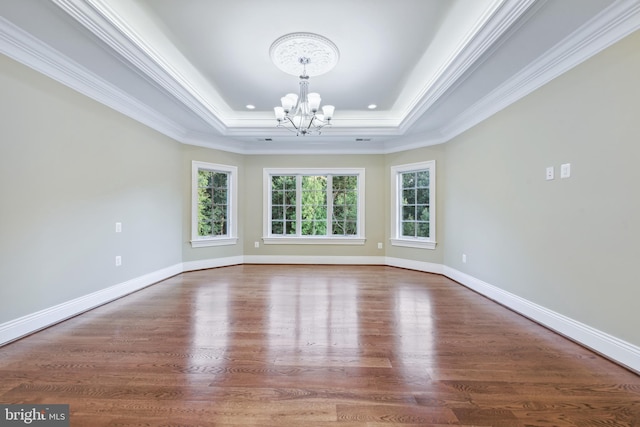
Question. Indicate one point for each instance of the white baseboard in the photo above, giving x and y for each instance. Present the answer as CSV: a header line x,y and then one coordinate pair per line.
x,y
607,345
17,328
427,267
314,260
212,263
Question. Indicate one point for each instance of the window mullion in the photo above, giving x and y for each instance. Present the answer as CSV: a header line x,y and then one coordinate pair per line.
x,y
399,198
298,205
329,196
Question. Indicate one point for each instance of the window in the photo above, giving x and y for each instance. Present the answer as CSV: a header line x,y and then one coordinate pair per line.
x,y
413,214
213,212
314,206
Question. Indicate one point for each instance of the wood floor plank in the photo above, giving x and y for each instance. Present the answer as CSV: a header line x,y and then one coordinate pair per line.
x,y
321,346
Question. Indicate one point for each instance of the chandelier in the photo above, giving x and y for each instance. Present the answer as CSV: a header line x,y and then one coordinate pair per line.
x,y
303,54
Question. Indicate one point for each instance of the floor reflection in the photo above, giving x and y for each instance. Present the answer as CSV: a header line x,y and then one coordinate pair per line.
x,y
320,313
210,327
415,340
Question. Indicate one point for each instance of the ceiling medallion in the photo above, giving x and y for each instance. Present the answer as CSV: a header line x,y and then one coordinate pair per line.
x,y
303,55
286,52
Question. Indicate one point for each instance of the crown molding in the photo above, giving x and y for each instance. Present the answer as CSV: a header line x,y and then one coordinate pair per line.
x,y
103,21
617,21
613,24
26,49
480,42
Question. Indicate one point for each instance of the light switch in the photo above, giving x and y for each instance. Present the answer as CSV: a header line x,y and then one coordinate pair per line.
x,y
565,170
118,227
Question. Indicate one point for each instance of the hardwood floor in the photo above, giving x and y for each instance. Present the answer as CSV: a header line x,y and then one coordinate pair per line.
x,y
314,346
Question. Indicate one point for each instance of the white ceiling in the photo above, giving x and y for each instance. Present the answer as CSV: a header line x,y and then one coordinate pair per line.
x,y
188,68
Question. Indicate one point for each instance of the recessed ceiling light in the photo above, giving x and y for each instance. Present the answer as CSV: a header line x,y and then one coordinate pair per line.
x,y
372,106
251,107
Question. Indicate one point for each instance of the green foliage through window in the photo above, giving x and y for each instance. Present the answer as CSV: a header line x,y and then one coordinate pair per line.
x,y
327,204
213,202
344,221
283,205
414,208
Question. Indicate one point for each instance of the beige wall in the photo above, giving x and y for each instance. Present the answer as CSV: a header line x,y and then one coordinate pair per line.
x,y
569,245
69,169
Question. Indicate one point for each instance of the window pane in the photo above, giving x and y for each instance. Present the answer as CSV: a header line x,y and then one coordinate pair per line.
x,y
220,213
339,213
423,179
204,178
277,197
219,180
408,197
345,205
314,228
290,197
290,212
351,228
277,227
277,212
422,196
345,182
205,195
204,227
219,196
291,227
314,205
423,213
290,182
408,180
409,229
408,213
423,229
218,228
352,213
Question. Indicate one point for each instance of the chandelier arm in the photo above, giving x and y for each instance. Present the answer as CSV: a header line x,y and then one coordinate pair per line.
x,y
292,123
283,126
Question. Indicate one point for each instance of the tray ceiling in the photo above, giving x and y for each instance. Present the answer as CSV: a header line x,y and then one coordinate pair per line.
x,y
188,68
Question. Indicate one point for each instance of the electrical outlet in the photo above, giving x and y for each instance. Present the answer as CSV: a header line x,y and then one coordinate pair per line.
x,y
118,227
118,260
379,245
464,258
256,244
550,173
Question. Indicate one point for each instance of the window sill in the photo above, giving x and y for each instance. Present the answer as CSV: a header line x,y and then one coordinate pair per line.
x,y
413,243
313,240
223,241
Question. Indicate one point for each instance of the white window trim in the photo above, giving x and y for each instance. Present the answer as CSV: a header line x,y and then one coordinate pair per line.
x,y
396,237
269,239
232,215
